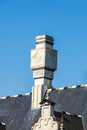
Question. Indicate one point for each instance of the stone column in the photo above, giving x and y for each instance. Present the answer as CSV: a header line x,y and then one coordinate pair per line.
x,y
43,64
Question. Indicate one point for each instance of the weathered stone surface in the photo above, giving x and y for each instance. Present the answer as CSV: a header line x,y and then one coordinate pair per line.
x,y
43,63
44,58
40,73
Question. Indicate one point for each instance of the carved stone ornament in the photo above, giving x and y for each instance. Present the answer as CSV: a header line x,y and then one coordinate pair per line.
x,y
46,124
47,120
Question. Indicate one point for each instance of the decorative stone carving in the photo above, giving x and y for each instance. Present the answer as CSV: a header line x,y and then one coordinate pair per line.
x,y
46,122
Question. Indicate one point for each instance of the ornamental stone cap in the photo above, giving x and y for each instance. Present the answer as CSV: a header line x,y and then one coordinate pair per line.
x,y
46,38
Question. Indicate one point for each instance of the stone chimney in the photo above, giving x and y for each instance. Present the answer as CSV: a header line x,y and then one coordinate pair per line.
x,y
43,64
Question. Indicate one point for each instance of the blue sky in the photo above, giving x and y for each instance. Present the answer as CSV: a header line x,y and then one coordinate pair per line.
x,y
21,21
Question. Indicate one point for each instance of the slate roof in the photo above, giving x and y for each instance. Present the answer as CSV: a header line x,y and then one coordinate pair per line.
x,y
72,100
70,122
16,111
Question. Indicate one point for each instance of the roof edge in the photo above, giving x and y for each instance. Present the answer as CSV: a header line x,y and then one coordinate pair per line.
x,y
72,87
71,114
14,96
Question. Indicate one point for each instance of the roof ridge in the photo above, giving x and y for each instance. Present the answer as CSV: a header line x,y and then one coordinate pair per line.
x,y
14,96
71,87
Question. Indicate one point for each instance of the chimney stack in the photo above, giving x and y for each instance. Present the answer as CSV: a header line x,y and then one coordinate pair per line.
x,y
43,64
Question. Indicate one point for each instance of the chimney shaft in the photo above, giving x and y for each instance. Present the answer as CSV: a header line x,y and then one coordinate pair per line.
x,y
43,64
